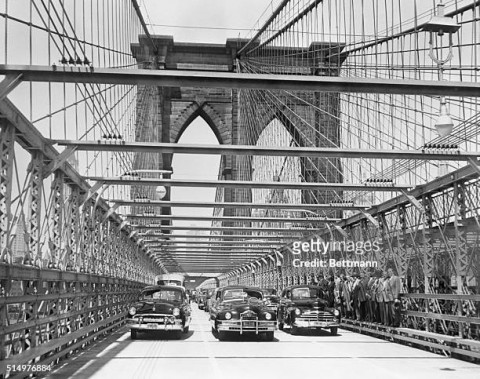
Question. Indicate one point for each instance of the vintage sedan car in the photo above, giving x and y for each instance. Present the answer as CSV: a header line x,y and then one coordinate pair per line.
x,y
241,309
162,308
272,300
306,307
201,298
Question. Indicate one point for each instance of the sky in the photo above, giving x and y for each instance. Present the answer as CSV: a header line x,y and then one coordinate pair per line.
x,y
219,14
195,167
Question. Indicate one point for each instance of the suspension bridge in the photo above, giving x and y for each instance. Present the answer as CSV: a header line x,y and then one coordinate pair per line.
x,y
355,122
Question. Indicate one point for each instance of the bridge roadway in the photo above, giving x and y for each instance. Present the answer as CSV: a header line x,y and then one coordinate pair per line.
x,y
199,355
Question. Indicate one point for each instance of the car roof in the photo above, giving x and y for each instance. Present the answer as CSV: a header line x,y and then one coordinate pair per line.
x,y
314,286
157,287
237,287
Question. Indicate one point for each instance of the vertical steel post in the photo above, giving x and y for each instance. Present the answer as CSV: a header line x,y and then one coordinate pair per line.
x,y
35,209
7,139
55,244
461,255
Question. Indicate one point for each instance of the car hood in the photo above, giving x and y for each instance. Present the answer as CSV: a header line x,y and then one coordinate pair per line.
x,y
157,307
310,303
242,306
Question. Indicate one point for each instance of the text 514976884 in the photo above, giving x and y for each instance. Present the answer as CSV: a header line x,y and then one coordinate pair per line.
x,y
29,368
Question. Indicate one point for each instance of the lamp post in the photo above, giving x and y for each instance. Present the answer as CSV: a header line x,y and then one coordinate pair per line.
x,y
439,24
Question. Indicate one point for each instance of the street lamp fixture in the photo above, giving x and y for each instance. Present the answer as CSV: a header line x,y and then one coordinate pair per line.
x,y
440,24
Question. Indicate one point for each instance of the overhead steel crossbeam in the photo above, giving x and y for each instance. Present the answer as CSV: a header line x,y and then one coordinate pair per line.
x,y
214,243
247,184
310,220
192,248
313,152
172,237
293,230
226,255
204,79
187,204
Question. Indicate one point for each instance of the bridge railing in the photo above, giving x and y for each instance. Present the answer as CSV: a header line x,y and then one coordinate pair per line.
x,y
449,314
54,313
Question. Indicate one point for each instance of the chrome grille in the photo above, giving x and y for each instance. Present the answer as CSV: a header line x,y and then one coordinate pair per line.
x,y
248,315
153,317
317,316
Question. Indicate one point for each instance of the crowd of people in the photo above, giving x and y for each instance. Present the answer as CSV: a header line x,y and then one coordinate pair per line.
x,y
366,297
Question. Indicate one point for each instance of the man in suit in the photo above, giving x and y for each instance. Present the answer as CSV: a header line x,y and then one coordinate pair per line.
x,y
388,300
379,298
395,285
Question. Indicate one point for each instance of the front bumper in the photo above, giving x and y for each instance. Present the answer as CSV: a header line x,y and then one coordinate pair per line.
x,y
246,326
149,322
305,323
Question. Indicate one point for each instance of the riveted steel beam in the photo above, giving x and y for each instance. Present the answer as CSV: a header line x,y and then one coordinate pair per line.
x,y
311,220
382,187
204,79
295,151
226,229
193,204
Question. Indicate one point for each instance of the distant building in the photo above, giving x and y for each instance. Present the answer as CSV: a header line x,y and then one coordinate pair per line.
x,y
19,245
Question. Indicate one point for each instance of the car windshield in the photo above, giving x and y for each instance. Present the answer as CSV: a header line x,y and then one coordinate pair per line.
x,y
304,293
241,294
269,291
162,294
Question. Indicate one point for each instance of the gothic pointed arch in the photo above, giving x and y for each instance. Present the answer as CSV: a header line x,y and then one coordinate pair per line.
x,y
207,112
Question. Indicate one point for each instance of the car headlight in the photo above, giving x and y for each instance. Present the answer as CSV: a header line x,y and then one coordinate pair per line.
x,y
336,312
298,312
132,311
268,316
228,316
176,312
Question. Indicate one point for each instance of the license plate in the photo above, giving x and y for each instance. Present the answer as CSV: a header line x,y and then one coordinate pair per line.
x,y
249,324
152,326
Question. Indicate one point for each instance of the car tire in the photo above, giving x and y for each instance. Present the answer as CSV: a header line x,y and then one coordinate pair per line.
x,y
269,336
222,336
177,334
280,326
215,332
133,334
186,330
293,330
334,331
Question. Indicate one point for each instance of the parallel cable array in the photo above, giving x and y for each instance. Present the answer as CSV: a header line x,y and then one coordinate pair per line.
x,y
364,39
79,35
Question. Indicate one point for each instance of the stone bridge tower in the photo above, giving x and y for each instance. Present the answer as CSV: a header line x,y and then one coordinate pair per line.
x,y
164,113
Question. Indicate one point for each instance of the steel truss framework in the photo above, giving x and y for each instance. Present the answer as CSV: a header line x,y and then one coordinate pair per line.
x,y
424,235
58,298
81,263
